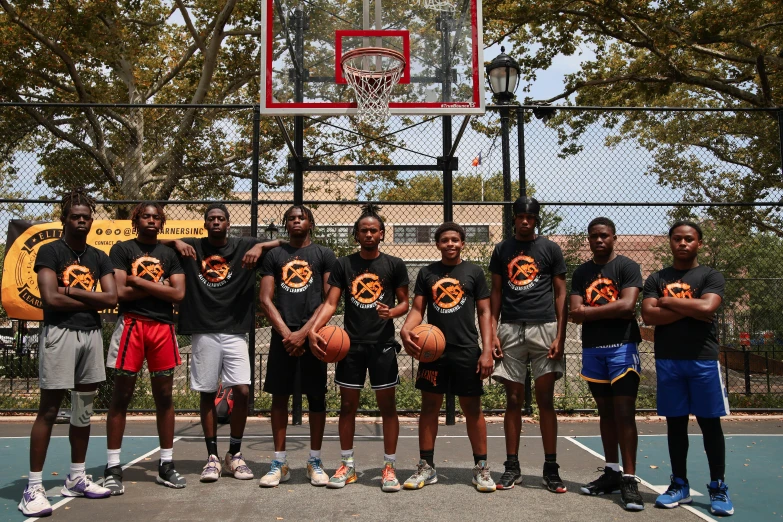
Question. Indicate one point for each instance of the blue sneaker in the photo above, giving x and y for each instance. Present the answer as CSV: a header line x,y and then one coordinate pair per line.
x,y
679,492
720,503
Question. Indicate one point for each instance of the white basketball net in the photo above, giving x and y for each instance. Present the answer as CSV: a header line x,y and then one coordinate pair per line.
x,y
438,5
372,73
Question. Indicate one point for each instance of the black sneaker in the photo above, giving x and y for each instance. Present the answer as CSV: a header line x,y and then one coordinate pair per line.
x,y
511,476
112,480
168,476
632,500
606,484
552,479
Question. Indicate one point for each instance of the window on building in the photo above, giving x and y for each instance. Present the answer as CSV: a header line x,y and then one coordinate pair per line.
x,y
424,233
334,234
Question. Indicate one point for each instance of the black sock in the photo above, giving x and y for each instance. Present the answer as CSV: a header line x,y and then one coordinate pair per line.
x,y
677,435
428,456
512,457
234,445
211,445
550,457
714,446
477,458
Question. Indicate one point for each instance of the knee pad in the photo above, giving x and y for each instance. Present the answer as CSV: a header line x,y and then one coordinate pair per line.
x,y
316,403
81,408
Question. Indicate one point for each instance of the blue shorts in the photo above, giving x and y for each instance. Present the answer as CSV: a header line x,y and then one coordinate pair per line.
x,y
608,364
688,386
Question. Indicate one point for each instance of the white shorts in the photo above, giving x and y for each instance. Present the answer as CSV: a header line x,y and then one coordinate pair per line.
x,y
217,357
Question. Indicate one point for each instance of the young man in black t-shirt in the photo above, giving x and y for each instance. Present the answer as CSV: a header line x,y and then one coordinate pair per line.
x,y
220,283
376,291
603,298
149,281
451,290
529,312
681,301
71,348
299,272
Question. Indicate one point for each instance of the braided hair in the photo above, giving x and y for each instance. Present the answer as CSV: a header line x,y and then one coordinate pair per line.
x,y
305,210
76,197
139,209
369,211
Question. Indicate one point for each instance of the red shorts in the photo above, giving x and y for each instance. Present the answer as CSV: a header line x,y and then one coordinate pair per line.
x,y
136,338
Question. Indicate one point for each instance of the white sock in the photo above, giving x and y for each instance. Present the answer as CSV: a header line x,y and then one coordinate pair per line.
x,y
113,457
280,456
315,454
614,466
390,458
346,454
166,455
77,470
35,478
627,475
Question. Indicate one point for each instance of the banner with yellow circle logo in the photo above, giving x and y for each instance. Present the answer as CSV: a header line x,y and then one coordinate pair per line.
x,y
20,295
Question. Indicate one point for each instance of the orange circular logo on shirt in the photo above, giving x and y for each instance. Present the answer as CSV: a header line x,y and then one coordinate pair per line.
x,y
147,267
522,270
447,293
78,276
297,273
215,268
601,291
679,290
366,288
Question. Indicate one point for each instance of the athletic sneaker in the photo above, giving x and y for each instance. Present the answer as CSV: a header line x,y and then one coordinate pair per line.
x,y
482,479
211,471
389,482
424,476
679,492
277,473
316,473
720,503
552,479
345,474
112,480
83,486
511,476
608,483
170,477
34,502
236,466
631,498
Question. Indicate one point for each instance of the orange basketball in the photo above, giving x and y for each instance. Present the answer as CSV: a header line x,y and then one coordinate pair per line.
x,y
337,343
431,341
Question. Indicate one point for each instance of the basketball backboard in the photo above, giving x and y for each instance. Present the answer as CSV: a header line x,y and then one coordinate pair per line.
x,y
302,42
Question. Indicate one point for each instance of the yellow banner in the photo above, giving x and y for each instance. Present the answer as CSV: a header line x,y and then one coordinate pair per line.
x,y
20,295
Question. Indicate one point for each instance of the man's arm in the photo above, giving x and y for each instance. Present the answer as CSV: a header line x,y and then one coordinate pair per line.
x,y
298,338
654,315
702,309
561,313
103,300
266,296
174,292
322,317
485,363
54,299
495,301
414,319
255,252
623,308
125,292
182,248
400,309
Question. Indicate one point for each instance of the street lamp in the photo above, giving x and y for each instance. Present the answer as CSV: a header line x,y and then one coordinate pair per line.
x,y
503,76
271,231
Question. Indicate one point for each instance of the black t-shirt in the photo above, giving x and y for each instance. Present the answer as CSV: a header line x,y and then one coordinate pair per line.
x,y
83,272
298,274
220,291
451,293
365,283
687,338
599,285
527,268
153,263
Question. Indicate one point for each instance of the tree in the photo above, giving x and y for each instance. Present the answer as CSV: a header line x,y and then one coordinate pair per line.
x,y
697,53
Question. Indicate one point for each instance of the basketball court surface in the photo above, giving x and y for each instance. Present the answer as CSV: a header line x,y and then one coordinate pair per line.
x,y
753,449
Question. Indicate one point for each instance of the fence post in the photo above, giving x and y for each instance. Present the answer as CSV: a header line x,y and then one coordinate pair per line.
x,y
251,338
766,356
521,151
746,355
780,140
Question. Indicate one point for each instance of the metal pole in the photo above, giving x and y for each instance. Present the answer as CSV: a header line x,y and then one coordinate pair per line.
x,y
251,340
507,218
780,142
521,151
747,371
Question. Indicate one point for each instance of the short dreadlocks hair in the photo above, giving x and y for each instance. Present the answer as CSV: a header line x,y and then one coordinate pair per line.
x,y
76,197
217,206
305,210
371,211
138,209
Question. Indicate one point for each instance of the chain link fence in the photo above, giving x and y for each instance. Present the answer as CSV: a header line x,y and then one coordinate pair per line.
x,y
641,168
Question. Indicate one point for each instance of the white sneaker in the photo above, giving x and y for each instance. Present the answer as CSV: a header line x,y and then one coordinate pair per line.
x,y
277,474
83,486
236,466
211,471
34,502
316,473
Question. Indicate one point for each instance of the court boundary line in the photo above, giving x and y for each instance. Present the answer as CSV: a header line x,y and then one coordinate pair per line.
x,y
65,500
693,510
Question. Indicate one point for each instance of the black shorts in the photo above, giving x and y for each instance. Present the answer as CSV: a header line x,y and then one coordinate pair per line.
x,y
380,360
454,372
281,370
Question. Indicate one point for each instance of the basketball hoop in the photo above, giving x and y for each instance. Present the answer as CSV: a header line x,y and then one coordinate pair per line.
x,y
438,5
372,73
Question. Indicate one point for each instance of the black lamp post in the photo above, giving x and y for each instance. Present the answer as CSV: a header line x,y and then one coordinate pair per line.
x,y
503,76
271,231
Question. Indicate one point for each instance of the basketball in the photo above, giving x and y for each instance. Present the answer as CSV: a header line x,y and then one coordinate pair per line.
x,y
431,341
337,343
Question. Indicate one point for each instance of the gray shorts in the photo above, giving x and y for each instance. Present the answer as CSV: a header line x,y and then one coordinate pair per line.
x,y
68,357
219,356
522,342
